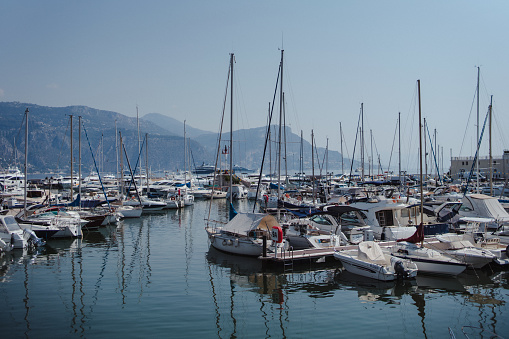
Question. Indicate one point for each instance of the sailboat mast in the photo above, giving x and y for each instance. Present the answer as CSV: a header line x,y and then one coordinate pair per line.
x,y
79,157
72,184
372,161
420,151
146,160
139,141
362,142
301,159
231,127
26,164
341,141
477,140
399,150
313,164
279,138
327,163
284,140
425,150
185,155
491,156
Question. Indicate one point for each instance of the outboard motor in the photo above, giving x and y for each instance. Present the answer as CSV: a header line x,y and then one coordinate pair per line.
x,y
32,238
4,247
400,270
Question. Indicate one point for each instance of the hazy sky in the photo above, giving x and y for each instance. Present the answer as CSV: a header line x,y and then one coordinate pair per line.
x,y
171,57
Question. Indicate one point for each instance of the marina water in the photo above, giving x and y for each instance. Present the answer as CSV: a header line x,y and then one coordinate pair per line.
x,y
156,277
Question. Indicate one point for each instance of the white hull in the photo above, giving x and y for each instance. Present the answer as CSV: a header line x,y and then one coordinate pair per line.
x,y
472,257
235,245
130,212
385,268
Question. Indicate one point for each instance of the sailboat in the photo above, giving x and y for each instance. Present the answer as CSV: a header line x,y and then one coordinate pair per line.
x,y
245,233
428,260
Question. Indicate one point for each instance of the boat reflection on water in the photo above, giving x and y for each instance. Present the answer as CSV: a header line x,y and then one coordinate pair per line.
x,y
370,290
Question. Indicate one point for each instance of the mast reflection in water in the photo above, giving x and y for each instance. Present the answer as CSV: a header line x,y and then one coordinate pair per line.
x,y
157,276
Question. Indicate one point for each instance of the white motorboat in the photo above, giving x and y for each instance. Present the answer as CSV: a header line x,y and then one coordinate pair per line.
x,y
428,260
370,261
457,247
385,217
215,194
244,234
12,236
147,204
341,225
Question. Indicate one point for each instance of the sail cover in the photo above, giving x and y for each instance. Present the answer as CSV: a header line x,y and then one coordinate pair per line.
x,y
242,223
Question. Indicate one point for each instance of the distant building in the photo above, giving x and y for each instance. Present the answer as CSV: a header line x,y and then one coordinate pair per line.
x,y
461,167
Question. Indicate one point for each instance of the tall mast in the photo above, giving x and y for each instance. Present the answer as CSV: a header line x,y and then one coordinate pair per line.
x,y
79,157
231,127
279,138
399,150
146,160
72,184
284,140
313,164
491,157
372,170
116,149
122,188
139,142
327,162
301,159
270,149
185,156
362,142
341,138
26,164
477,140
420,151
425,150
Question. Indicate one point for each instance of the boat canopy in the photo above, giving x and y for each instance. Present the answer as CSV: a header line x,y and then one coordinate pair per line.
x,y
487,206
242,223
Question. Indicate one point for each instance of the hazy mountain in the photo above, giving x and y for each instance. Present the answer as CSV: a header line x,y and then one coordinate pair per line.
x,y
49,142
49,139
174,126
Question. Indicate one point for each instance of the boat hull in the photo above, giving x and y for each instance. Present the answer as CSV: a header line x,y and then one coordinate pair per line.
x,y
235,245
368,269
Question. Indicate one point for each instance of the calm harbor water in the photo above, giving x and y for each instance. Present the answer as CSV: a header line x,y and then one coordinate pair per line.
x,y
157,277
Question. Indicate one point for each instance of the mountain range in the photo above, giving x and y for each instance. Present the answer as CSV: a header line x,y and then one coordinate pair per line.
x,y
49,142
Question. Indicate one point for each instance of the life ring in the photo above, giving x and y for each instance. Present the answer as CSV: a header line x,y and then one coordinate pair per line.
x,y
224,242
172,198
299,198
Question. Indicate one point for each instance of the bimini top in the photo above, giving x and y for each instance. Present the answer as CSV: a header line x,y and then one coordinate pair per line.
x,y
242,223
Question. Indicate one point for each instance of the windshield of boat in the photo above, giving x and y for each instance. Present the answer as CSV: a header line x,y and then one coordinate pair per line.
x,y
352,218
11,224
320,220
